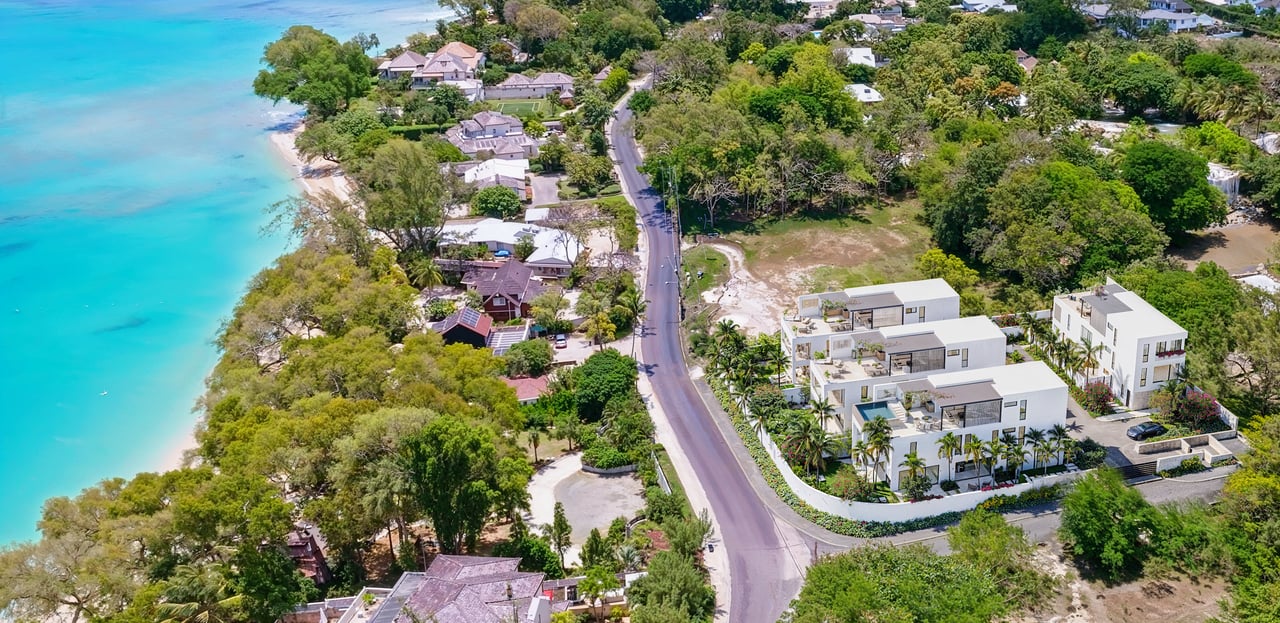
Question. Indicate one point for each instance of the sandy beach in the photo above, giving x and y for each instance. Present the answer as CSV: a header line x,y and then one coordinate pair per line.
x,y
312,178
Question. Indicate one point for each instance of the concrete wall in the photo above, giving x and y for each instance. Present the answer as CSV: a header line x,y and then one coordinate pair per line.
x,y
612,471
903,511
1171,462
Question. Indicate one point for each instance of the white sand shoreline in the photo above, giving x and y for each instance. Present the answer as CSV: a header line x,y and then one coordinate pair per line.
x,y
313,179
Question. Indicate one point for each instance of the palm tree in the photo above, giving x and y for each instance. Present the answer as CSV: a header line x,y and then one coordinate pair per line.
x,y
1014,455
535,439
1044,449
973,452
425,273
1061,440
1033,438
727,341
991,452
914,465
1090,359
879,442
860,455
949,445
758,423
633,307
823,410
199,594
631,558
1257,108
809,442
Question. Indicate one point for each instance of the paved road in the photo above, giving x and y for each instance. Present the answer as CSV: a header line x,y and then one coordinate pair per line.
x,y
762,570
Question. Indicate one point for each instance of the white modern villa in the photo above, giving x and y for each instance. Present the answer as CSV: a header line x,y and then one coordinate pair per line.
x,y
902,352
1137,347
980,405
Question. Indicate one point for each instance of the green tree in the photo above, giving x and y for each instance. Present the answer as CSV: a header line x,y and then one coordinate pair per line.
x,y
270,583
1106,524
937,264
455,471
322,140
984,540
673,582
559,533
1143,83
598,553
496,201
405,195
200,594
850,484
588,173
598,582
688,535
310,68
529,358
1173,183
602,376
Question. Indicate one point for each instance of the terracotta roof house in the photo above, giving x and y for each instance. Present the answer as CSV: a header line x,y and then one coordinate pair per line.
x,y
507,291
469,56
528,389
1027,61
465,326
403,65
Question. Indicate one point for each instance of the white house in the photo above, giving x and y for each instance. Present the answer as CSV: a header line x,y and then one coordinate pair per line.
x,y
403,65
980,405
555,250
454,63
855,56
1137,347
521,87
863,93
862,360
496,172
982,6
823,323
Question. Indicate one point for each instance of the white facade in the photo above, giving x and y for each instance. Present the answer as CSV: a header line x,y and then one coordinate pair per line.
x,y
1141,348
856,56
862,361
555,250
980,405
863,93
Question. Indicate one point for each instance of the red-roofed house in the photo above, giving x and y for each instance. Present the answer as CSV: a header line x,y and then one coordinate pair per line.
x,y
507,291
527,389
466,326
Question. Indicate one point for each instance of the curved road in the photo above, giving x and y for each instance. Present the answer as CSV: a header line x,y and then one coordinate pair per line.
x,y
763,573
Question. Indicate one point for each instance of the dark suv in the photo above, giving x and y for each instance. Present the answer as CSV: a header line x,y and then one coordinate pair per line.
x,y
1145,430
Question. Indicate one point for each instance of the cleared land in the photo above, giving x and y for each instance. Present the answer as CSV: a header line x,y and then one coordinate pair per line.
x,y
1234,247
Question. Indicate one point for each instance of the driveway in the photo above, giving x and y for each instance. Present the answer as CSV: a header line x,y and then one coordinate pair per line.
x,y
545,191
1121,450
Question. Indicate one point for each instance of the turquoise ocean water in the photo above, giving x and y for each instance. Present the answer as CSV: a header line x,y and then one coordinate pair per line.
x,y
134,168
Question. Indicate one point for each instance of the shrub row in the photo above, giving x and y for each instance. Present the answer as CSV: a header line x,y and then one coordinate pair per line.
x,y
415,132
855,527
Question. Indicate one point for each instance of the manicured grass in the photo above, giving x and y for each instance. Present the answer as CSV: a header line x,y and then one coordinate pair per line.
x,y
522,108
715,270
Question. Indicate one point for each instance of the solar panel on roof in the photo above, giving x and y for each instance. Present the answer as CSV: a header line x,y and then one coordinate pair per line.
x,y
470,317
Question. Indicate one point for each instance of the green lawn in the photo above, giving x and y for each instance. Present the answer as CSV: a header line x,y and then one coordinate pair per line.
x,y
669,471
523,108
715,270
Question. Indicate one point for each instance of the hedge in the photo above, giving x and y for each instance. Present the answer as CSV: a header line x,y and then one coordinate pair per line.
x,y
415,132
603,456
855,527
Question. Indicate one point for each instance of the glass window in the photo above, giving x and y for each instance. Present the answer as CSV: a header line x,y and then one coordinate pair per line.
x,y
1022,409
1142,381
911,310
924,360
1146,352
866,393
1177,345
955,352
912,449
964,357
1011,404
1161,347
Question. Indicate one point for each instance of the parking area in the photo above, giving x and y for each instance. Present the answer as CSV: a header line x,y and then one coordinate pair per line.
x,y
1121,450
545,189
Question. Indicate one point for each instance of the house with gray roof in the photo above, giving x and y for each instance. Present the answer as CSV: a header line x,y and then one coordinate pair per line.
x,y
403,65
520,87
495,134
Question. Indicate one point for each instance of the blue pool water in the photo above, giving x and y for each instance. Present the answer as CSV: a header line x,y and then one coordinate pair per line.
x,y
874,410
134,169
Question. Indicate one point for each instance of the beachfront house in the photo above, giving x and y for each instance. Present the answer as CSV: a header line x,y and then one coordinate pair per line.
x,y
456,64
1136,348
976,406
493,135
403,65
496,172
555,250
506,292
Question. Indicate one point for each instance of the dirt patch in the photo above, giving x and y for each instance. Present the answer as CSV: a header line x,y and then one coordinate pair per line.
x,y
744,299
1164,600
799,256
1236,248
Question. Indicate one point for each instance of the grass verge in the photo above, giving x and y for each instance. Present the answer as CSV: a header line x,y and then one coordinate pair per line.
x,y
673,479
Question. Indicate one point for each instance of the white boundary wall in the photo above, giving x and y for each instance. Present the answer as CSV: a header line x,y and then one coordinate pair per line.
x,y
901,511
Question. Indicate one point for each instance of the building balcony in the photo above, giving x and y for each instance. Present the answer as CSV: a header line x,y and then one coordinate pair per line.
x,y
1171,353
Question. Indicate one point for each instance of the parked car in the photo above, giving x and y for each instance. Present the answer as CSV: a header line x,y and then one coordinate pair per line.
x,y
1145,430
562,341
502,253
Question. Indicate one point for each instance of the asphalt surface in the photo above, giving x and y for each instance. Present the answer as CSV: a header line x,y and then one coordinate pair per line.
x,y
762,572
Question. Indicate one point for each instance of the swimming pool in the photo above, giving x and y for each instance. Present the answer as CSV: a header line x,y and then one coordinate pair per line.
x,y
874,410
